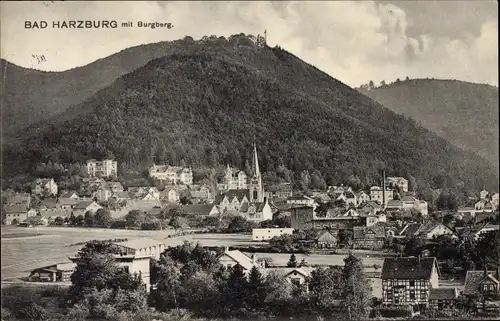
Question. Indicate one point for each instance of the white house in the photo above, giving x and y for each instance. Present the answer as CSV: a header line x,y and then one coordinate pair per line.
x,y
86,206
264,234
297,275
142,246
229,259
175,174
377,194
170,195
494,200
257,212
44,186
104,168
400,182
361,197
483,194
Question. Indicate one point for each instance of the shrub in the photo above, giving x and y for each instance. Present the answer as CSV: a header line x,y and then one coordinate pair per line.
x,y
32,311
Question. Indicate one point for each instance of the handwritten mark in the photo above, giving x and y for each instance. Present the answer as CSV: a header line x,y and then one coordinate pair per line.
x,y
39,58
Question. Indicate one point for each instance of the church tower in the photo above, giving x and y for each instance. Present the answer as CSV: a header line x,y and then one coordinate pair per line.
x,y
256,188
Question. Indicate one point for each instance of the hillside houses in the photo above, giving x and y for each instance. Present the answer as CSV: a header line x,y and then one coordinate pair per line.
x,y
428,231
104,168
399,182
44,186
173,174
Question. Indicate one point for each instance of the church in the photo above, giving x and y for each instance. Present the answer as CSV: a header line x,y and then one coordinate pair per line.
x,y
240,191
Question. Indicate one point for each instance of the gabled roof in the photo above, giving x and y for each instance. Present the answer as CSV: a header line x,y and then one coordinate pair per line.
x,y
358,194
49,203
240,258
372,204
326,236
394,204
140,243
68,194
13,209
56,213
122,195
198,209
286,271
238,193
349,194
410,229
443,293
81,205
67,201
360,232
427,228
408,268
473,280
408,199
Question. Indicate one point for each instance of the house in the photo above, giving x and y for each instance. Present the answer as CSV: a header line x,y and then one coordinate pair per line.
x,y
235,178
372,237
229,259
174,174
280,191
350,198
44,186
485,283
377,194
66,203
169,195
51,215
264,234
361,198
301,201
322,197
443,298
232,200
399,182
69,195
60,272
104,168
15,214
13,198
408,280
113,186
432,230
483,195
257,212
134,264
83,207
121,196
394,205
201,210
141,247
370,208
295,275
494,201
144,193
201,192
327,239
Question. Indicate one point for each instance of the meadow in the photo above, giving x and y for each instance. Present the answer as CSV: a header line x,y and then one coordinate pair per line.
x,y
24,249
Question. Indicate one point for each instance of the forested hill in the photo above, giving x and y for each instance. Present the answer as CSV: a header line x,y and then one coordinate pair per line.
x,y
29,95
465,114
206,104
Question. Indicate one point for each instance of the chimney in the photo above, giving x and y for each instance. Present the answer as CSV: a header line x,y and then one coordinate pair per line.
x,y
497,274
254,259
419,258
383,190
226,249
485,270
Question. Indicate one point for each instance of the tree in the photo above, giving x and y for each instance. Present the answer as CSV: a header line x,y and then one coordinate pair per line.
x,y
168,286
371,85
184,200
201,293
103,217
175,223
407,78
135,218
356,288
487,249
324,288
89,219
305,180
210,221
238,224
59,220
256,289
382,83
96,269
235,292
292,262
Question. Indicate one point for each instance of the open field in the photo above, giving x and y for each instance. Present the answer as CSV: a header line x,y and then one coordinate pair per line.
x,y
24,249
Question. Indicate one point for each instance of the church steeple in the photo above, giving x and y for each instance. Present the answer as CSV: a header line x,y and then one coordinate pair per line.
x,y
256,169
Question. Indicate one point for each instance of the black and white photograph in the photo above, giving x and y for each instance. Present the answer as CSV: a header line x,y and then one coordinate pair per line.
x,y
249,160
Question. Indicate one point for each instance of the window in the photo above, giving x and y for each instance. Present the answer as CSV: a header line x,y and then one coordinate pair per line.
x,y
295,281
412,295
229,266
423,294
412,283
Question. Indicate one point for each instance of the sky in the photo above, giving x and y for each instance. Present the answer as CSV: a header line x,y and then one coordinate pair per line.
x,y
352,41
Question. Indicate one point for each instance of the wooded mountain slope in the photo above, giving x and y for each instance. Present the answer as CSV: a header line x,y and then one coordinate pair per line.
x,y
31,95
463,113
206,104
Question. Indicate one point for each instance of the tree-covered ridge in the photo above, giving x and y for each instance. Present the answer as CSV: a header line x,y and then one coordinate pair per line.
x,y
205,104
466,114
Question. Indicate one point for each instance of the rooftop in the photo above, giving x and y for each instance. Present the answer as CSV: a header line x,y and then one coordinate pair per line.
x,y
140,243
408,268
